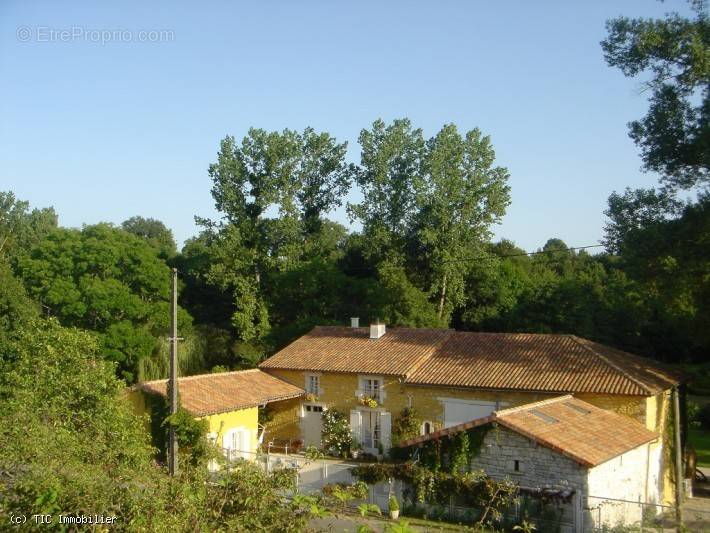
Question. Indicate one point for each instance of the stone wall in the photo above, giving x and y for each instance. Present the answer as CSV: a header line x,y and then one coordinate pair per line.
x,y
538,466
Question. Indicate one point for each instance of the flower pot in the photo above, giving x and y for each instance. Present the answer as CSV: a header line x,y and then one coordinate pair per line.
x,y
355,453
394,515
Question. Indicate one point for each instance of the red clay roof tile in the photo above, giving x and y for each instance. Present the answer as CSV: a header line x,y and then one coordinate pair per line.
x,y
208,394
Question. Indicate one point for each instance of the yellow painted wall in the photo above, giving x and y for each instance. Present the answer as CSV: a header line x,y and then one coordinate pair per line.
x,y
338,392
631,406
218,424
221,423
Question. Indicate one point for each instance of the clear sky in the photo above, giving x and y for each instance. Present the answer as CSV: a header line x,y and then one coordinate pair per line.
x,y
106,130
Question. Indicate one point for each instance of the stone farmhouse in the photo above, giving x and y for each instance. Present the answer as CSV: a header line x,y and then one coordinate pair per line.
x,y
569,445
452,378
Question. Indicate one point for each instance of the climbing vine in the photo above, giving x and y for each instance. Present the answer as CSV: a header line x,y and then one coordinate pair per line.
x,y
406,426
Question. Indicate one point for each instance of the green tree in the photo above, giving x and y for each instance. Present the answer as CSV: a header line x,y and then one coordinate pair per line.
x,y
105,280
674,136
21,228
299,177
154,232
390,170
461,195
79,448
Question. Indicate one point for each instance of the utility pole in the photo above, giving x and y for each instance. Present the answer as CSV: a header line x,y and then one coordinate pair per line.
x,y
172,382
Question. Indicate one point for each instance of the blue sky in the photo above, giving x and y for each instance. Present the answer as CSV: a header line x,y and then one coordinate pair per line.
x,y
104,131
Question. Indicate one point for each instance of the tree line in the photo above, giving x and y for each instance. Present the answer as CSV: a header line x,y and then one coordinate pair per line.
x,y
83,311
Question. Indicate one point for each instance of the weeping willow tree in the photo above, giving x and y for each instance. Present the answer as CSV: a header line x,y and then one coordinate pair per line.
x,y
192,359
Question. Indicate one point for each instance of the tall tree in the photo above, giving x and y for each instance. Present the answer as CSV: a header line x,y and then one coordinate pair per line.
x,y
461,195
296,177
674,136
391,169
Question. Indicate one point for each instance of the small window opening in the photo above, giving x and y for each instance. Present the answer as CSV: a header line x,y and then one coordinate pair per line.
x,y
516,465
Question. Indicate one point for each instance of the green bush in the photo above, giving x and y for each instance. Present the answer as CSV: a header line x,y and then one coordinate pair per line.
x,y
336,437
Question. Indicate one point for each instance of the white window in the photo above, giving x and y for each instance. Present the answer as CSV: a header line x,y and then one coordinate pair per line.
x,y
372,387
313,384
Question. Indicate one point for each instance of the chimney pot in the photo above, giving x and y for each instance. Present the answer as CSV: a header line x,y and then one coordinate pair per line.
x,y
354,322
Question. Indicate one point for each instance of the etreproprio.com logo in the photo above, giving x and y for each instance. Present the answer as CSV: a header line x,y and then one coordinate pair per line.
x,y
48,34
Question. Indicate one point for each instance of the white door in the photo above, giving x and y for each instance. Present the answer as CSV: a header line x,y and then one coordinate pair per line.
x,y
460,411
312,425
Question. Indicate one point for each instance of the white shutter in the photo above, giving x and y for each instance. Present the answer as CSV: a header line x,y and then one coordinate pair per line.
x,y
386,430
355,424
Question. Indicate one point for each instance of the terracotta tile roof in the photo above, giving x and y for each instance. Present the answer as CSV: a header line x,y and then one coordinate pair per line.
x,y
538,362
574,428
209,394
342,349
502,361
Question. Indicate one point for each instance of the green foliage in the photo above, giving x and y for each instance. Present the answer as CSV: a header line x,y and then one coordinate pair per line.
x,y
191,435
21,228
80,448
406,426
336,436
474,489
393,503
674,136
154,232
399,527
16,307
108,281
366,509
344,494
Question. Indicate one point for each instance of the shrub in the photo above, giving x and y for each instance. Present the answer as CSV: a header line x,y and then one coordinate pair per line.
x,y
337,439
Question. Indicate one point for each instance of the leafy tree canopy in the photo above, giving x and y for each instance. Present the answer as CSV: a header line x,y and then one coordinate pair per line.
x,y
674,53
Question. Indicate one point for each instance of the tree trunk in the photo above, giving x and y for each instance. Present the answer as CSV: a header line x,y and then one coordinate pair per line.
x,y
442,297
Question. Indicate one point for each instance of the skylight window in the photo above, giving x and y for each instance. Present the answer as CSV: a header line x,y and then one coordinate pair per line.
x,y
577,408
547,418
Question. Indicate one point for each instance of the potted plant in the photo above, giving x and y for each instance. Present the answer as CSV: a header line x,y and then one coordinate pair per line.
x,y
310,397
394,507
355,448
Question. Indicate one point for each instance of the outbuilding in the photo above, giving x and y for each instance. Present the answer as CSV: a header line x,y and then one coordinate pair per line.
x,y
605,460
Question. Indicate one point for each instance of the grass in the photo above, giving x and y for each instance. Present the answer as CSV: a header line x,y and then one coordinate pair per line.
x,y
700,440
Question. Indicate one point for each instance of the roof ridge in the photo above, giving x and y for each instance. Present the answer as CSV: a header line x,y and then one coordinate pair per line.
x,y
532,405
210,374
611,364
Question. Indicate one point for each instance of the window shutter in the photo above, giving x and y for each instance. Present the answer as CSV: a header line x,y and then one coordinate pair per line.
x,y
386,430
355,423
